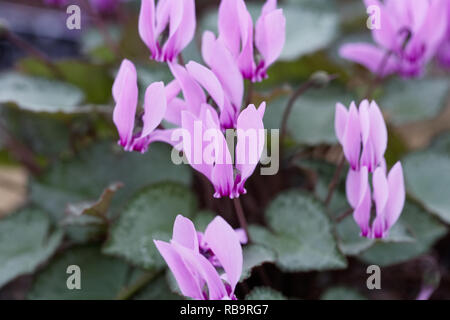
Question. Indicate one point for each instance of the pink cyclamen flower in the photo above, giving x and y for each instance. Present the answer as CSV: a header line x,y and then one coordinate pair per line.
x,y
176,18
125,93
236,31
444,49
362,133
407,37
228,180
225,90
388,195
196,276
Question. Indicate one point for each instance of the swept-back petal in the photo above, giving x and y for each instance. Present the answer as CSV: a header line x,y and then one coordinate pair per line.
x,y
362,211
250,143
270,35
380,191
225,244
396,199
371,57
229,29
352,138
192,92
147,26
184,233
203,269
155,105
208,80
187,282
340,121
378,132
125,93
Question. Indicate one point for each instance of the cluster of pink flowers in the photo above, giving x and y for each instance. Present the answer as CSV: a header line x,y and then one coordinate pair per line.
x,y
222,81
211,95
409,35
363,136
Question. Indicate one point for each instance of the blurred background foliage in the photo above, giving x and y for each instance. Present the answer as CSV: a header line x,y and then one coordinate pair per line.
x,y
70,195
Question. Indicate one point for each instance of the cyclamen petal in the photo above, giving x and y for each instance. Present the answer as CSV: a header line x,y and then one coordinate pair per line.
x,y
225,244
250,143
155,105
184,233
176,15
352,138
125,94
270,38
396,201
186,280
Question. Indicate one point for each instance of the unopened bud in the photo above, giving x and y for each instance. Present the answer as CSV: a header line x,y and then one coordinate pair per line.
x,y
321,79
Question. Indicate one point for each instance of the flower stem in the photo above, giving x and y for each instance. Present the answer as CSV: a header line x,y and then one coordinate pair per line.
x,y
97,19
241,216
317,80
249,96
32,51
344,215
334,181
377,79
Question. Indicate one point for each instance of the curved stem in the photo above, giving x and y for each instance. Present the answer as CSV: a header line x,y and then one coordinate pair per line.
x,y
344,215
377,80
316,81
33,51
249,96
102,28
241,216
334,181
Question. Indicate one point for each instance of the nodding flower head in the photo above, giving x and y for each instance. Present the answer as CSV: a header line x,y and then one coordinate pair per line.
x,y
213,158
237,32
125,94
193,262
167,28
407,37
362,133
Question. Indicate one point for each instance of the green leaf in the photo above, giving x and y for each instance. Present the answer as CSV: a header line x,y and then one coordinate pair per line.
x,y
301,234
97,167
427,178
426,230
39,94
158,289
26,241
342,293
101,277
265,293
409,100
149,216
255,256
95,81
311,121
310,26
